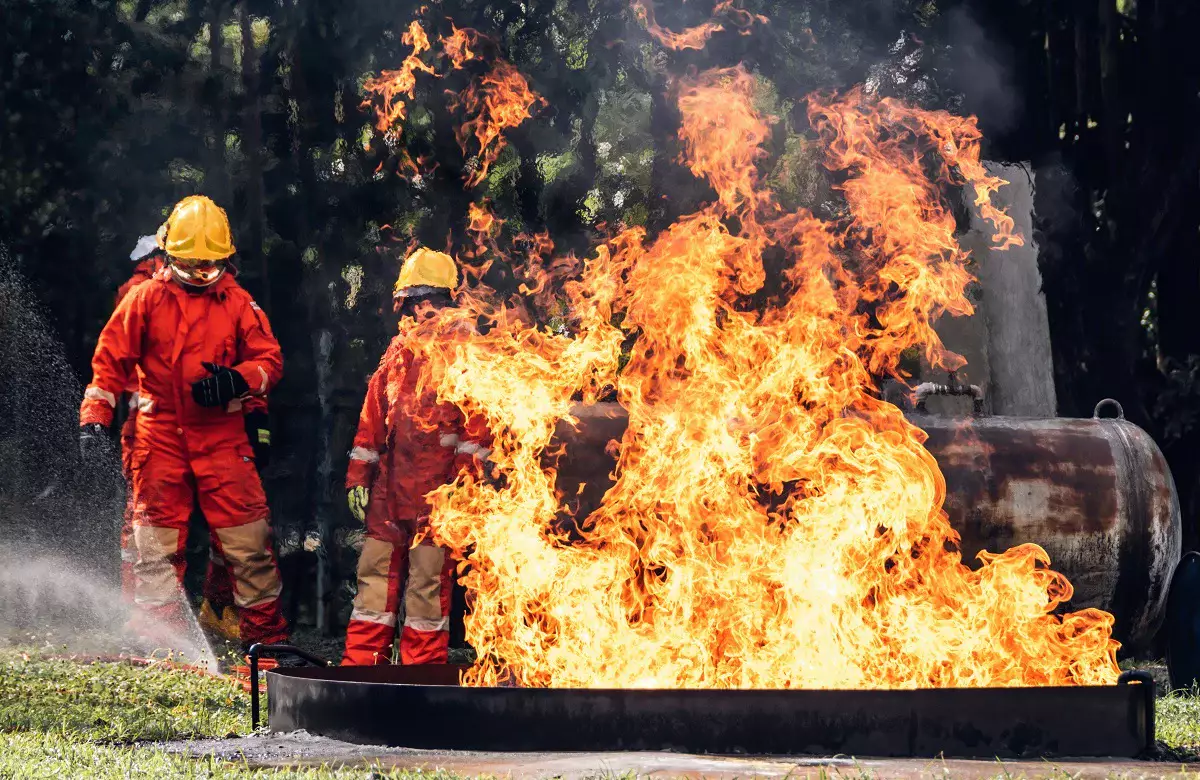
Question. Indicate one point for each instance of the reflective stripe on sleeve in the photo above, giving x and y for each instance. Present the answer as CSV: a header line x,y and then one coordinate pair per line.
x,y
94,393
471,448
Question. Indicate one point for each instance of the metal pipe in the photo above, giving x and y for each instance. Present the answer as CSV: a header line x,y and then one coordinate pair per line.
x,y
254,687
953,388
324,350
259,649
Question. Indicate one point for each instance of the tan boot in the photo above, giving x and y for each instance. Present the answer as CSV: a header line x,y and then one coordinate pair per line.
x,y
230,625
208,618
225,625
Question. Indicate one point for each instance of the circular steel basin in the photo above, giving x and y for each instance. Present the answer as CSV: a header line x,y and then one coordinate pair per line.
x,y
424,707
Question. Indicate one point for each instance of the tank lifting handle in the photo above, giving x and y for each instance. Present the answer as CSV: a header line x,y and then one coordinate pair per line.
x,y
1109,402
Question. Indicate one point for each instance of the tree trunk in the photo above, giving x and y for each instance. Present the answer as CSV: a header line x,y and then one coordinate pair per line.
x,y
252,143
216,177
326,336
1112,121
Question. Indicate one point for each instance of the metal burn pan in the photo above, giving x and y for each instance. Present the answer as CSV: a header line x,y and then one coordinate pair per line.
x,y
424,707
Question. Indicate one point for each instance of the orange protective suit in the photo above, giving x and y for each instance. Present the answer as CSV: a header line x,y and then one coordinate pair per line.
x,y
160,333
218,584
407,445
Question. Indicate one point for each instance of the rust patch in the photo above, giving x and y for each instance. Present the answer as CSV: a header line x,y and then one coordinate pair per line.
x,y
1074,468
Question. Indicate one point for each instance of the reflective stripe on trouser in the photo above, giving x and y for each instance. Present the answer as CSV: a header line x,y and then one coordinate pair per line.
x,y
425,637
167,477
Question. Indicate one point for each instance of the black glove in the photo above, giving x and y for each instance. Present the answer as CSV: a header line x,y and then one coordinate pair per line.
x,y
258,431
93,444
223,386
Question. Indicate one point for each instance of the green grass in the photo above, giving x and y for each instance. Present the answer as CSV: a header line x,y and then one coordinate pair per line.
x,y
1176,715
1177,721
117,702
61,718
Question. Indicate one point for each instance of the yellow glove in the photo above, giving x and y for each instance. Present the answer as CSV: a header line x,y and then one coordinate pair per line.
x,y
358,498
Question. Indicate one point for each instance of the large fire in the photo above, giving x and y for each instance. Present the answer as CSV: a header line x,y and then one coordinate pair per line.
x,y
773,523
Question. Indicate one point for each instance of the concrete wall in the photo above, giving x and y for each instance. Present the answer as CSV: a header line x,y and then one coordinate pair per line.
x,y
1007,341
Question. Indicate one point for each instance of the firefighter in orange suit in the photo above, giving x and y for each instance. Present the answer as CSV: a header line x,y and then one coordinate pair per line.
x,y
200,348
149,260
217,612
407,445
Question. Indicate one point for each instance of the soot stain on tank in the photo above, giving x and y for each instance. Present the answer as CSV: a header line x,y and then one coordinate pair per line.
x,y
1070,470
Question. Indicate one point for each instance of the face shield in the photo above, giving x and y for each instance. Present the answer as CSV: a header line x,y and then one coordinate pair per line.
x,y
421,302
197,273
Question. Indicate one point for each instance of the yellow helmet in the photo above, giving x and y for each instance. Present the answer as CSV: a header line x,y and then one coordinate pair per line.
x,y
197,238
426,271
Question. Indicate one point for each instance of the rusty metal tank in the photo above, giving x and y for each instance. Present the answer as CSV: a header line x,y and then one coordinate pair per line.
x,y
1095,493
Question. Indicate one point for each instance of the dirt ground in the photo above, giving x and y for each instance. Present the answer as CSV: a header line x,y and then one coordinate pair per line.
x,y
303,749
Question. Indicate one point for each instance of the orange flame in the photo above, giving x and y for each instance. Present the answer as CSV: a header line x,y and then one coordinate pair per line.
x,y
694,37
721,144
396,87
773,523
458,46
501,101
482,226
480,219
495,103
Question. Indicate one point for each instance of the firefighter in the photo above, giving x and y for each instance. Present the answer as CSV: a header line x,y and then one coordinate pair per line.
x,y
407,444
147,256
200,349
217,612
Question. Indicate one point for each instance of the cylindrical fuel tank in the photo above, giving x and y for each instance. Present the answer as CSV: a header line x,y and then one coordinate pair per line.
x,y
1095,493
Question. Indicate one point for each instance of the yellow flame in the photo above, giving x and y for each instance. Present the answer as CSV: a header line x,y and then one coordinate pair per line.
x,y
773,523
